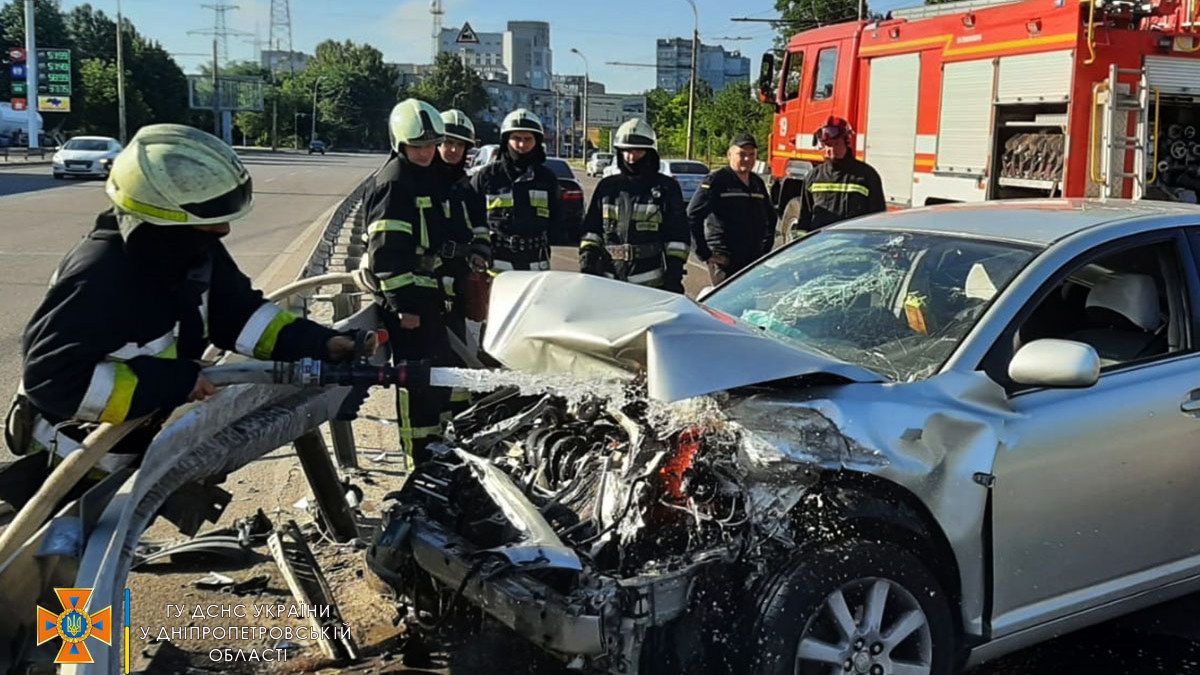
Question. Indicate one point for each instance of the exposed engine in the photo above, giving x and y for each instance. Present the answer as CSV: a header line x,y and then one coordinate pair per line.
x,y
625,497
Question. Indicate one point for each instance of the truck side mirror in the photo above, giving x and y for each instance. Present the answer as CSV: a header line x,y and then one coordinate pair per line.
x,y
766,80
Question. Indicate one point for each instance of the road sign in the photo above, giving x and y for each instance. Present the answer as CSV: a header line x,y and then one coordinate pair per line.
x,y
237,93
61,104
19,104
610,110
54,79
467,35
16,55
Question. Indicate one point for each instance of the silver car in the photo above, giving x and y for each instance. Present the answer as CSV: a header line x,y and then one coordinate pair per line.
x,y
688,173
906,444
85,156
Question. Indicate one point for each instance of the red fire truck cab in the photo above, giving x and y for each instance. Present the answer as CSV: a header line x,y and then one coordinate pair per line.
x,y
995,99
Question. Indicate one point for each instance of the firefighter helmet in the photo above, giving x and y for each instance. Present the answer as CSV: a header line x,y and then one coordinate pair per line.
x,y
522,120
414,122
172,174
834,127
458,126
636,133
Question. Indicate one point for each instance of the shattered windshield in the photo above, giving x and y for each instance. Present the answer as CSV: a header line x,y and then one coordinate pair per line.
x,y
895,303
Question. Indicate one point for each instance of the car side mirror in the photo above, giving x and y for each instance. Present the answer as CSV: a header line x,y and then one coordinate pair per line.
x,y
1055,363
704,293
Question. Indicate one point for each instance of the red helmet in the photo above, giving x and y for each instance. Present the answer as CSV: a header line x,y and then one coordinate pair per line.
x,y
834,127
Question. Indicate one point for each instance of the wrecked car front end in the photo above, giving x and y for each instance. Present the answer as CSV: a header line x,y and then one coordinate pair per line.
x,y
569,522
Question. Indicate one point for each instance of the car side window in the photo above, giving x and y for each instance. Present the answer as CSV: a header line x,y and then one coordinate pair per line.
x,y
1128,305
824,76
793,74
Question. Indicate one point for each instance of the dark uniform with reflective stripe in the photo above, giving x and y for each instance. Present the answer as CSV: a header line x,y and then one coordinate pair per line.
x,y
838,190
466,211
414,255
523,207
636,229
118,332
732,223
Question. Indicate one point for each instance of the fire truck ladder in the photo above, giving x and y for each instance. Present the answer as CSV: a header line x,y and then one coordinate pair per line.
x,y
1115,103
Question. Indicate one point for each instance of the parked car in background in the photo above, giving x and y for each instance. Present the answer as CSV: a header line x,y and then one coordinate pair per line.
x,y
316,146
598,162
484,155
85,156
687,172
572,202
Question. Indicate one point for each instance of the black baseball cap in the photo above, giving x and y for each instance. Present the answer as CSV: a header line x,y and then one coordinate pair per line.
x,y
742,140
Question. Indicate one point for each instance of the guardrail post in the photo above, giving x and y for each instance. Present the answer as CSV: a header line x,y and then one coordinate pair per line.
x,y
328,492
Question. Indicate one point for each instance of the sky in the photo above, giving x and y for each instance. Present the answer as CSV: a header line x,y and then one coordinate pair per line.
x,y
604,30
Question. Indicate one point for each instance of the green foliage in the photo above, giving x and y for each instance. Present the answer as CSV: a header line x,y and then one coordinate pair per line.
x,y
802,15
718,118
99,114
452,85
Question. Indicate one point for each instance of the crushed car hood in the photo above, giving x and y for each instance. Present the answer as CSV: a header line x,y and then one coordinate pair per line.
x,y
587,326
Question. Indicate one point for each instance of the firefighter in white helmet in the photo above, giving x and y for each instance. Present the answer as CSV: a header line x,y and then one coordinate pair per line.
x,y
132,306
521,195
636,225
415,252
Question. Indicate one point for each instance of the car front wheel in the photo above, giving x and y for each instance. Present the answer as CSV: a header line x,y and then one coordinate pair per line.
x,y
864,608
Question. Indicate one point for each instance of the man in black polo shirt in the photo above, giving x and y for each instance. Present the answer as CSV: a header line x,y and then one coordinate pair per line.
x,y
730,216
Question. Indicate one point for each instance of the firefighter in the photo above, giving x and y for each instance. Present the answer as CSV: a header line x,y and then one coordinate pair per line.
x,y
636,228
521,195
841,187
414,252
465,207
135,303
730,217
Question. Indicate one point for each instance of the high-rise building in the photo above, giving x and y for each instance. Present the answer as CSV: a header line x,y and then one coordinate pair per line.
x,y
273,59
485,58
527,55
714,65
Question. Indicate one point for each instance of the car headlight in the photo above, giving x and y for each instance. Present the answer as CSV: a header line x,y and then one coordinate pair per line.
x,y
56,158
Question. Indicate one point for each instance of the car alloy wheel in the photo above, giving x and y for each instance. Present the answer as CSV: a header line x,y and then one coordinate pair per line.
x,y
867,626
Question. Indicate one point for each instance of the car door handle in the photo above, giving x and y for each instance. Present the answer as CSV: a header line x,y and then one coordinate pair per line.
x,y
1191,406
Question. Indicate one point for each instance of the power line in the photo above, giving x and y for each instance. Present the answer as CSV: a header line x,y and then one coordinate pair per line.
x,y
281,34
220,30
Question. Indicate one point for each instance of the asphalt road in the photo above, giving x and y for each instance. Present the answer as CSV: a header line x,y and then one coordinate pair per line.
x,y
43,218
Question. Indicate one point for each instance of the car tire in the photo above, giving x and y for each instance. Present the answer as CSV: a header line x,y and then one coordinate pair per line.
x,y
58,176
791,213
795,608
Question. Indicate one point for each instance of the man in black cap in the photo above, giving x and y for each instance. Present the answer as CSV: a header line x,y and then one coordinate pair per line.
x,y
731,217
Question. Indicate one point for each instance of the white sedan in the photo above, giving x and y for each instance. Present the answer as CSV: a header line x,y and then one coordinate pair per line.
x,y
85,156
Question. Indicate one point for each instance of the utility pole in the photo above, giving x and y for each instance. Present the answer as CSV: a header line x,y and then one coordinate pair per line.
x,y
220,33
281,35
586,79
120,76
313,136
31,82
692,84
216,85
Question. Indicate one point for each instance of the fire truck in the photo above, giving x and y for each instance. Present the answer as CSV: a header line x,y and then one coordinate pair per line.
x,y
998,99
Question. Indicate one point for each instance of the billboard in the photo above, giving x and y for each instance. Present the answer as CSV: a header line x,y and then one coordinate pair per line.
x,y
610,110
237,93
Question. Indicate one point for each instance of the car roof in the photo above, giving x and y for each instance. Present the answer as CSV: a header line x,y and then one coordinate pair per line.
x,y
91,138
1033,221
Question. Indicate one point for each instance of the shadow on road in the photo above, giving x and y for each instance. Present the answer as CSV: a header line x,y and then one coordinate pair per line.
x,y
13,183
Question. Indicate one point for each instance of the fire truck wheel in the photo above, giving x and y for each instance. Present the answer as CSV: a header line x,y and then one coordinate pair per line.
x,y
791,213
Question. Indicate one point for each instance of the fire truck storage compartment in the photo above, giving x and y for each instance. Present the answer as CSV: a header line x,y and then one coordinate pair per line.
x,y
1178,146
1029,150
892,123
1177,82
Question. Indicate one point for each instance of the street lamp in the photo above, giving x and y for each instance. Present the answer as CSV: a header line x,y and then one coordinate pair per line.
x,y
692,85
120,78
586,80
296,128
313,135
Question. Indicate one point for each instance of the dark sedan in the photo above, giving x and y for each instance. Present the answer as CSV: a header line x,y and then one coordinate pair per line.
x,y
572,201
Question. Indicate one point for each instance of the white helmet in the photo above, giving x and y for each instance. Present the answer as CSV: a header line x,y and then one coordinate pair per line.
x,y
414,122
172,174
522,120
458,126
636,133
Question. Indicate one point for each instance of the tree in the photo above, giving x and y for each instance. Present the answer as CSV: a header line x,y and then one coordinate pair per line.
x,y
452,85
99,114
801,15
733,111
